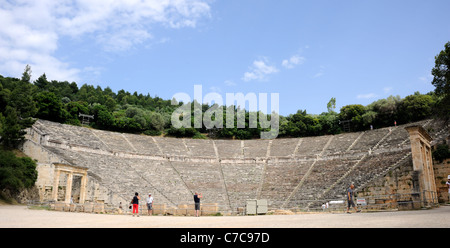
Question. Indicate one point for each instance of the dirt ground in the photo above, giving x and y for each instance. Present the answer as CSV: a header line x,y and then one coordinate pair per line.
x,y
17,216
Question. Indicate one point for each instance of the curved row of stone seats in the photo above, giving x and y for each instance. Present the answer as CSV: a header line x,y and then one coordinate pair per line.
x,y
229,148
297,147
108,172
341,142
242,181
438,130
283,147
68,135
372,166
312,146
162,180
281,178
172,146
397,139
255,148
143,144
369,139
200,148
205,178
324,173
113,140
124,176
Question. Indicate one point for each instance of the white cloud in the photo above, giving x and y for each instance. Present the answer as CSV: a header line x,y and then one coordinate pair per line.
x,y
427,78
387,90
215,89
229,83
320,73
366,96
293,61
259,71
31,30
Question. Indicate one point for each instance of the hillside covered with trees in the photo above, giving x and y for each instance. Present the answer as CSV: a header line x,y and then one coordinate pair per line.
x,y
122,111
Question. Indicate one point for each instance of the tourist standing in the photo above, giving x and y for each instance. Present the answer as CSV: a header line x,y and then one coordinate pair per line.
x,y
135,203
197,202
150,204
350,201
448,185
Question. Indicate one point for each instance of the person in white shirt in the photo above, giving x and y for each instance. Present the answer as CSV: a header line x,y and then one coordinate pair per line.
x,y
150,204
448,185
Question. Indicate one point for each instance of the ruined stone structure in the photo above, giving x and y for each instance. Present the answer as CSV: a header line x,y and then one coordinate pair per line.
x,y
70,170
422,160
295,172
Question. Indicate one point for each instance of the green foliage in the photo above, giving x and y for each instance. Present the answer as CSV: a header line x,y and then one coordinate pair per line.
x,y
137,113
441,81
11,127
26,76
385,112
16,173
442,152
354,113
182,132
50,107
416,107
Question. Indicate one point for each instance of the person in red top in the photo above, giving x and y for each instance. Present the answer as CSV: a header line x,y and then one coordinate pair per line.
x,y
135,203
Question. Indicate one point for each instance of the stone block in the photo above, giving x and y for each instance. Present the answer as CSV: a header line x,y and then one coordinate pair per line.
x,y
99,208
60,206
209,208
88,207
159,209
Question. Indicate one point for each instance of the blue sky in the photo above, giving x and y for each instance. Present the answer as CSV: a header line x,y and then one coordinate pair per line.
x,y
307,51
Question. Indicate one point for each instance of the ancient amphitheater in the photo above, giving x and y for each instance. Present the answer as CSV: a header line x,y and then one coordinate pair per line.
x,y
108,167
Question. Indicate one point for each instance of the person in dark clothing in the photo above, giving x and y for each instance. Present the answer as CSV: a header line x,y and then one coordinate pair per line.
x,y
135,203
197,202
350,199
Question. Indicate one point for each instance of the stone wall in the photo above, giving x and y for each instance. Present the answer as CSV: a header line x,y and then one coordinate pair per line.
x,y
441,172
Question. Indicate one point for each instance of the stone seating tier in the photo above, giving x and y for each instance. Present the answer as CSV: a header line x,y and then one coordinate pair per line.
x,y
227,172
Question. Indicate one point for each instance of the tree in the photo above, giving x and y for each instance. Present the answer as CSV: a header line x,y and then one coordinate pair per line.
x,y
441,80
331,105
4,98
26,76
73,109
157,121
11,127
42,82
354,113
49,107
21,98
110,103
16,173
442,152
415,107
386,111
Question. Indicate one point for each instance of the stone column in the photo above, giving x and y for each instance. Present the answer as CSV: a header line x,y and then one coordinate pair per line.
x,y
55,185
83,188
422,161
69,187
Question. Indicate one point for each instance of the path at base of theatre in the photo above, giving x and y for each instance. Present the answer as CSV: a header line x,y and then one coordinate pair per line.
x,y
17,216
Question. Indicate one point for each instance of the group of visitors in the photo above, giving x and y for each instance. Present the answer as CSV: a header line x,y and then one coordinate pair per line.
x,y
197,197
135,204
